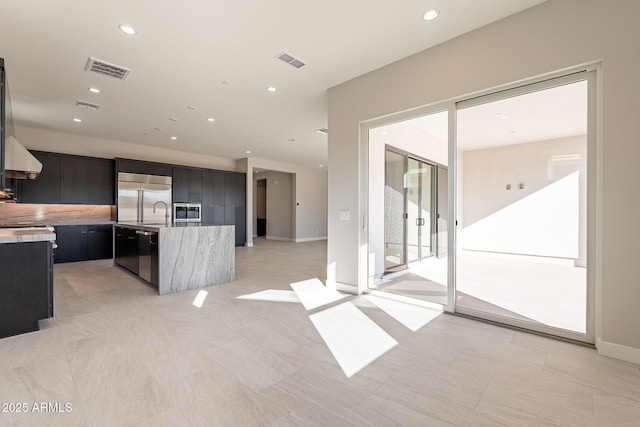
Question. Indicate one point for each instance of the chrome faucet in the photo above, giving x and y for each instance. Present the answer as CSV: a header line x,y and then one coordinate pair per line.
x,y
166,211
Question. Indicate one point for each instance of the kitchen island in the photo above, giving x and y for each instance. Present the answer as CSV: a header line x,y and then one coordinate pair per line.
x,y
176,257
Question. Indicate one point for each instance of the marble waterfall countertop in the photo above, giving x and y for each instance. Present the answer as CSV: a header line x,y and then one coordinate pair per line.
x,y
18,235
192,256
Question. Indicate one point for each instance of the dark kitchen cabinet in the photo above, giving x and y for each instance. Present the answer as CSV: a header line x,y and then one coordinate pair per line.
x,y
72,243
187,185
26,294
83,242
127,249
99,241
213,200
87,180
46,187
142,167
235,204
70,179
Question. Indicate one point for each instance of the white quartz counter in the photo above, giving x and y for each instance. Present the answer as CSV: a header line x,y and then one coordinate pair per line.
x,y
18,235
192,256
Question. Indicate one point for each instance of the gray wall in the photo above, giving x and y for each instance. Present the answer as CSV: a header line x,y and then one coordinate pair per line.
x,y
279,204
310,195
550,37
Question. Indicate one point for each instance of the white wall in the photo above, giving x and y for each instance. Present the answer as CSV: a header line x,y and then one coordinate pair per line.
x,y
555,35
544,217
58,142
279,204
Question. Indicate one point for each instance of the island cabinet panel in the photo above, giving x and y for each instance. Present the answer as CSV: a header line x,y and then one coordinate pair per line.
x,y
142,167
46,187
70,179
187,185
26,294
83,242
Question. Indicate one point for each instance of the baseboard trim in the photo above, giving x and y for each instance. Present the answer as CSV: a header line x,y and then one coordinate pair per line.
x,y
617,351
343,287
310,239
282,239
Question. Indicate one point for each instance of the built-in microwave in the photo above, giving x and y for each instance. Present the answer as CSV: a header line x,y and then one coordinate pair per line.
x,y
187,212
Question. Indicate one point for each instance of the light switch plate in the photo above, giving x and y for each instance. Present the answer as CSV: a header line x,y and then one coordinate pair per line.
x,y
345,215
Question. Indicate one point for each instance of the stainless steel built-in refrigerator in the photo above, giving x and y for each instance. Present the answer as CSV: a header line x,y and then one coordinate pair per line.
x,y
137,194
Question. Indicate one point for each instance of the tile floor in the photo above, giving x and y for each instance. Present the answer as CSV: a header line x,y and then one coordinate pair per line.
x,y
123,356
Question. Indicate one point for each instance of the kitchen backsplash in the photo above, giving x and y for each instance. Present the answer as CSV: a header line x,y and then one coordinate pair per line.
x,y
52,213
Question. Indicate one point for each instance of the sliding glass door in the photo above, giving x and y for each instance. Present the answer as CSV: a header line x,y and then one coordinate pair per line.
x,y
394,211
487,205
521,255
409,204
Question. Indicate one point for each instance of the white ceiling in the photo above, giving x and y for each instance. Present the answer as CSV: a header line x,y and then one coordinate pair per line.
x,y
553,113
185,50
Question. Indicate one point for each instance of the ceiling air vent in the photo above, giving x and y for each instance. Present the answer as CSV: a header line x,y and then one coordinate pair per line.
x,y
103,67
88,105
290,59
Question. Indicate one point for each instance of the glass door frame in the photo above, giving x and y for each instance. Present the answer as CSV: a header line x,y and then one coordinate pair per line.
x,y
433,191
589,72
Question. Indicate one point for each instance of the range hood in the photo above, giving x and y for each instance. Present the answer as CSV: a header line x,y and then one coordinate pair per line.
x,y
19,163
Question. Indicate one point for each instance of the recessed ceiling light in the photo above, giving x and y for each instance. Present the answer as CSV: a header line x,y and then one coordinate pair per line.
x,y
323,131
292,140
77,120
127,29
501,116
173,119
430,15
225,82
190,107
321,166
248,152
173,138
271,89
211,119
94,90
158,128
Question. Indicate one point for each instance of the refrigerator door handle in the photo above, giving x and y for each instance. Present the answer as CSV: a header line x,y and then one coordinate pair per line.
x,y
141,205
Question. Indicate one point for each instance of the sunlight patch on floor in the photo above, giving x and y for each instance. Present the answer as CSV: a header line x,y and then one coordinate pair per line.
x,y
274,295
353,338
412,313
313,294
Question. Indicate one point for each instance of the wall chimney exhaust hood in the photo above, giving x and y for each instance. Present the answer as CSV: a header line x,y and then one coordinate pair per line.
x,y
19,163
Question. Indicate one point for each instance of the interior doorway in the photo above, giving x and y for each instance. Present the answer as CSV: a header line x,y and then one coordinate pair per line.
x,y
261,207
273,205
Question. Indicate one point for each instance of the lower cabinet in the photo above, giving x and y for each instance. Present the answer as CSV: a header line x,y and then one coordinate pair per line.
x,y
137,251
26,294
126,249
83,242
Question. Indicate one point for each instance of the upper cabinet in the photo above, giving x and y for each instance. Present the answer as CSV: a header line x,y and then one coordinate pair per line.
x,y
87,180
70,179
142,167
46,188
